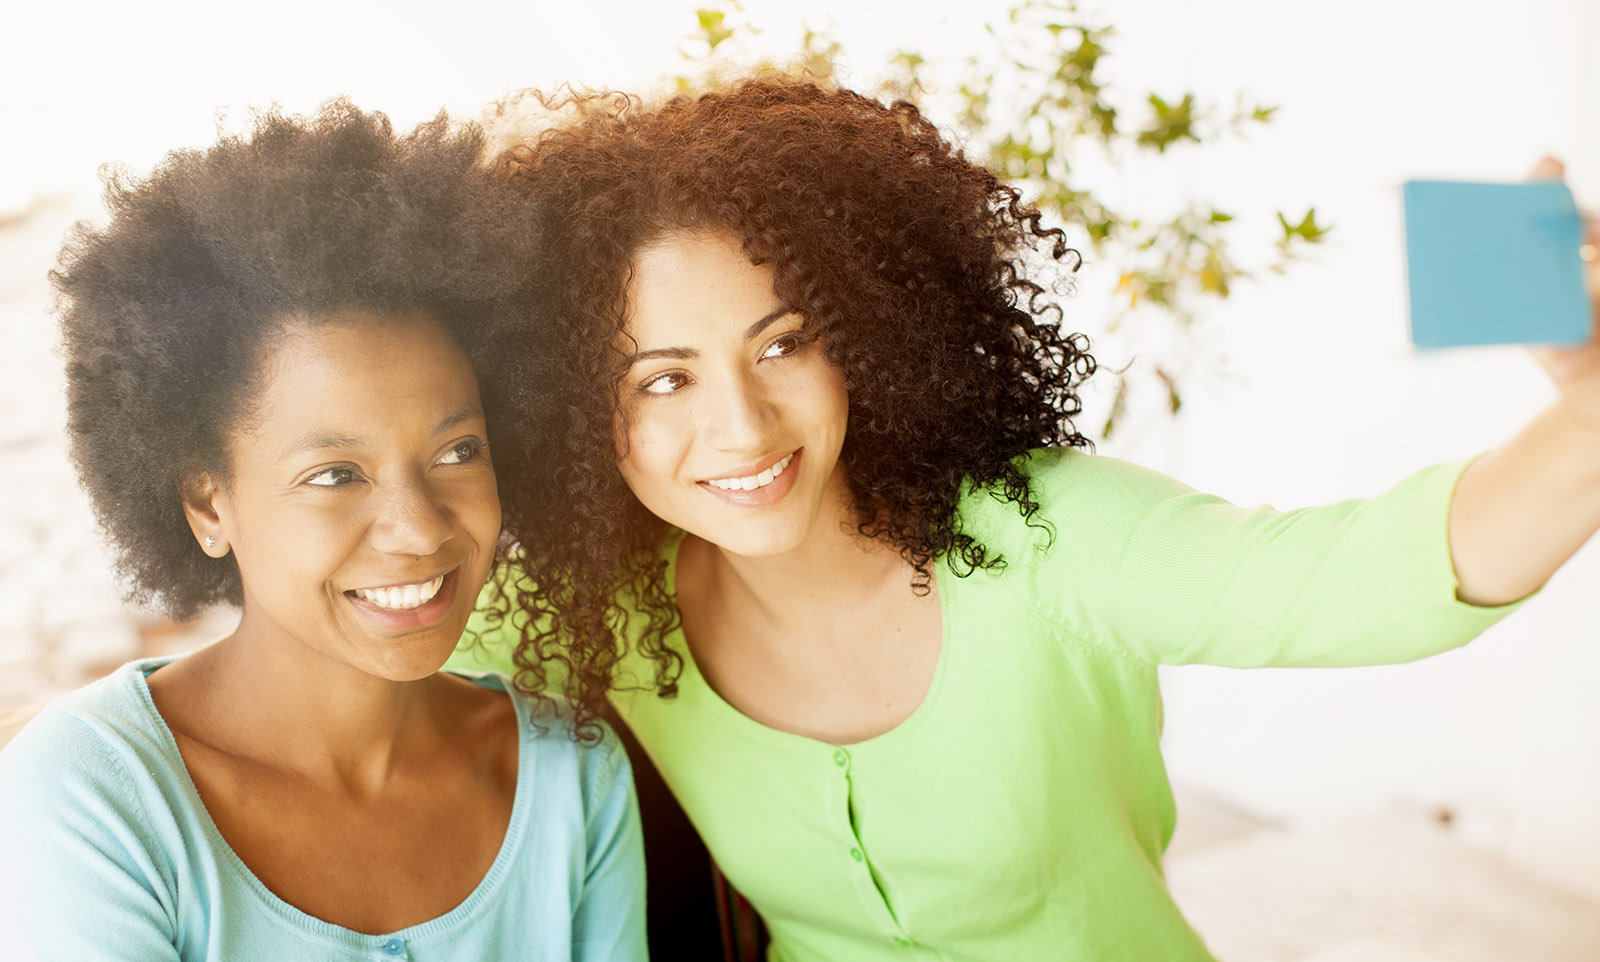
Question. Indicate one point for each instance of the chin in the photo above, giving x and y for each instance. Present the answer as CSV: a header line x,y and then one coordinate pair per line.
x,y
760,545
410,672
413,662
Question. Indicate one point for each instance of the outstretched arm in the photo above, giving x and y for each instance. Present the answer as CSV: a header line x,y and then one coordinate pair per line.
x,y
1522,509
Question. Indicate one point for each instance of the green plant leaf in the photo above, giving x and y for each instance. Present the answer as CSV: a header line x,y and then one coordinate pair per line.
x,y
1307,231
713,26
1032,104
1171,123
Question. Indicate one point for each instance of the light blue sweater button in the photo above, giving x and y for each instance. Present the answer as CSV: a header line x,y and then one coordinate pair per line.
x,y
393,947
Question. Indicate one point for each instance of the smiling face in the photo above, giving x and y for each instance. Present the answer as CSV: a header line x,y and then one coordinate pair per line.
x,y
361,505
732,417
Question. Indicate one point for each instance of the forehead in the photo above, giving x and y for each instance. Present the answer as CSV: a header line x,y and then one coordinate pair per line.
x,y
357,374
687,283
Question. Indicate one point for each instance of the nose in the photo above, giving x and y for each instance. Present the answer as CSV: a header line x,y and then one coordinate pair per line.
x,y
410,519
741,416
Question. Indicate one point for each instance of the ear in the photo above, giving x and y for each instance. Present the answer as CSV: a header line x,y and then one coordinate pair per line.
x,y
205,506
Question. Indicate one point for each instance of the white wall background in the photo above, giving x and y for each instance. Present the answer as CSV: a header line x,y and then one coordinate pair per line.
x,y
1326,399
1504,733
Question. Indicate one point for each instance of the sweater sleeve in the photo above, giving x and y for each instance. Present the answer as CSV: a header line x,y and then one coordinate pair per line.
x,y
1131,559
79,882
608,921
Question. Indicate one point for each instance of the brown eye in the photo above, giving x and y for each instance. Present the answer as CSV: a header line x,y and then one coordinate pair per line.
x,y
464,452
668,383
785,345
331,477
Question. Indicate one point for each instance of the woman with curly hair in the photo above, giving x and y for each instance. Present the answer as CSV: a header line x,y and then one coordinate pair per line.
x,y
272,404
891,632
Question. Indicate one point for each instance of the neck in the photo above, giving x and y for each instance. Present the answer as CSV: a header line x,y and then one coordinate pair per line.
x,y
326,720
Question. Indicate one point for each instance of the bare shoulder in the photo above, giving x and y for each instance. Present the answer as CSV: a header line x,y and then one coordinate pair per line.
x,y
181,691
483,722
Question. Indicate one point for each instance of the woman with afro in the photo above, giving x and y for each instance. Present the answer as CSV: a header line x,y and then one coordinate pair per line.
x,y
272,404
889,632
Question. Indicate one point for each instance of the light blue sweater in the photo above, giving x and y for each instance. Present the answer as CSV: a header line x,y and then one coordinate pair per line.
x,y
106,853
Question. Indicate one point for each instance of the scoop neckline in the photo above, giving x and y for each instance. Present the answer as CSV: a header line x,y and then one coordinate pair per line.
x,y
339,935
792,741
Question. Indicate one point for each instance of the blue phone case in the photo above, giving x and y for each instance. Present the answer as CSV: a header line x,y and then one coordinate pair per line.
x,y
1494,264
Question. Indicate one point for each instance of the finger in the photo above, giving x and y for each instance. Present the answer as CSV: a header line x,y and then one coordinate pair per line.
x,y
1548,168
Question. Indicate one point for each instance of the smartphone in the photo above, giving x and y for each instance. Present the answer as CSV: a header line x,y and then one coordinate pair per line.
x,y
1494,264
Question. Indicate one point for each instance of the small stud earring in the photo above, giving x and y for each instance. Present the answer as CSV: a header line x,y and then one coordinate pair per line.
x,y
211,542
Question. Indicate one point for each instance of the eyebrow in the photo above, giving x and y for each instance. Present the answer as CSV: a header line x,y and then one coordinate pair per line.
x,y
313,441
687,353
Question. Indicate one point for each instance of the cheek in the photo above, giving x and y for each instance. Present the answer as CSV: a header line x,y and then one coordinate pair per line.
x,y
833,401
481,508
647,445
625,435
477,515
651,459
286,557
636,464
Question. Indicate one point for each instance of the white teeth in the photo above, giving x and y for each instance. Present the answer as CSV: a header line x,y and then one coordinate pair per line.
x,y
753,481
401,597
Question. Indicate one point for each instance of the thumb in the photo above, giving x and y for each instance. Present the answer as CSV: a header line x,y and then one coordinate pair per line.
x,y
1548,168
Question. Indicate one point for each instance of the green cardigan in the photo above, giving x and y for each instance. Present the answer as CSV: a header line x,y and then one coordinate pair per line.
x,y
1022,810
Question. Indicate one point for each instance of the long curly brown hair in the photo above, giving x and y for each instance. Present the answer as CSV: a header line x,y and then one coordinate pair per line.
x,y
908,260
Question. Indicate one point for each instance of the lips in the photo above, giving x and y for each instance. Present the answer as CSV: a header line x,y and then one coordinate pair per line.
x,y
758,479
407,607
400,597
764,483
